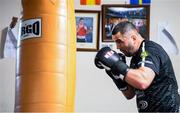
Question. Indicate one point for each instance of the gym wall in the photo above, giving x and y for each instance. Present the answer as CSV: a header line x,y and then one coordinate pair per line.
x,y
95,91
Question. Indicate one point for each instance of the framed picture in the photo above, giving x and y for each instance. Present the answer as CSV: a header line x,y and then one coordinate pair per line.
x,y
114,14
87,30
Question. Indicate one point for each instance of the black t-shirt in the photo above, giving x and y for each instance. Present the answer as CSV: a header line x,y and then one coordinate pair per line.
x,y
162,94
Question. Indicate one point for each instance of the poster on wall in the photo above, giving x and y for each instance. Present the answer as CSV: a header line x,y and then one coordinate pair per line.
x,y
114,14
87,30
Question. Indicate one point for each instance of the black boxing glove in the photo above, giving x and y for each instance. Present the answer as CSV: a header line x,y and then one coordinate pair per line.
x,y
123,58
98,64
121,85
110,60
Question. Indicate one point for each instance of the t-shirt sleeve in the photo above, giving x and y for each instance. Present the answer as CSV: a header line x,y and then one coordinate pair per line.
x,y
149,59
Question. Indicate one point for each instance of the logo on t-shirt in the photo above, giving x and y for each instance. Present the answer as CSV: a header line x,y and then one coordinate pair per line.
x,y
142,104
144,54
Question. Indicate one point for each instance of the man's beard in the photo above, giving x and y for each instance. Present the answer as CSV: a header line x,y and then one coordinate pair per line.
x,y
129,52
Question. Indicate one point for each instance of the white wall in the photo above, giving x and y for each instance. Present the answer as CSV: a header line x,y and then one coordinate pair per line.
x,y
95,91
8,9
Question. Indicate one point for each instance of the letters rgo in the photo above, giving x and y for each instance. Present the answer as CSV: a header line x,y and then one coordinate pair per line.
x,y
31,28
34,28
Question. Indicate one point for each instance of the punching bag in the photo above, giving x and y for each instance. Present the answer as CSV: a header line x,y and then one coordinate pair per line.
x,y
45,80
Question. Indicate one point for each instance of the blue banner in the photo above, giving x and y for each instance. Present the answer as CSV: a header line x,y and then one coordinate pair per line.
x,y
138,2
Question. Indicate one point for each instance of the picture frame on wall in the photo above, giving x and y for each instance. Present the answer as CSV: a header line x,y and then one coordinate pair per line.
x,y
87,30
139,15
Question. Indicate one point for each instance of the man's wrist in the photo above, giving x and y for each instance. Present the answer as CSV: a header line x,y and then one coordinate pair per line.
x,y
120,69
121,85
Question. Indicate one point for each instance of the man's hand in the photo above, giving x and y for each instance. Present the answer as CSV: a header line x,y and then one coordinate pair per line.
x,y
110,60
122,85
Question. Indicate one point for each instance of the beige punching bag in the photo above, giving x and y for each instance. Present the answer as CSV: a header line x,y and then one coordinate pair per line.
x,y
45,80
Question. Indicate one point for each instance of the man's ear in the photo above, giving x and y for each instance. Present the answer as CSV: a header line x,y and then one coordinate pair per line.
x,y
133,37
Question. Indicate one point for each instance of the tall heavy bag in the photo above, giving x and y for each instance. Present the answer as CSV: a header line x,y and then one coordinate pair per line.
x,y
45,80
